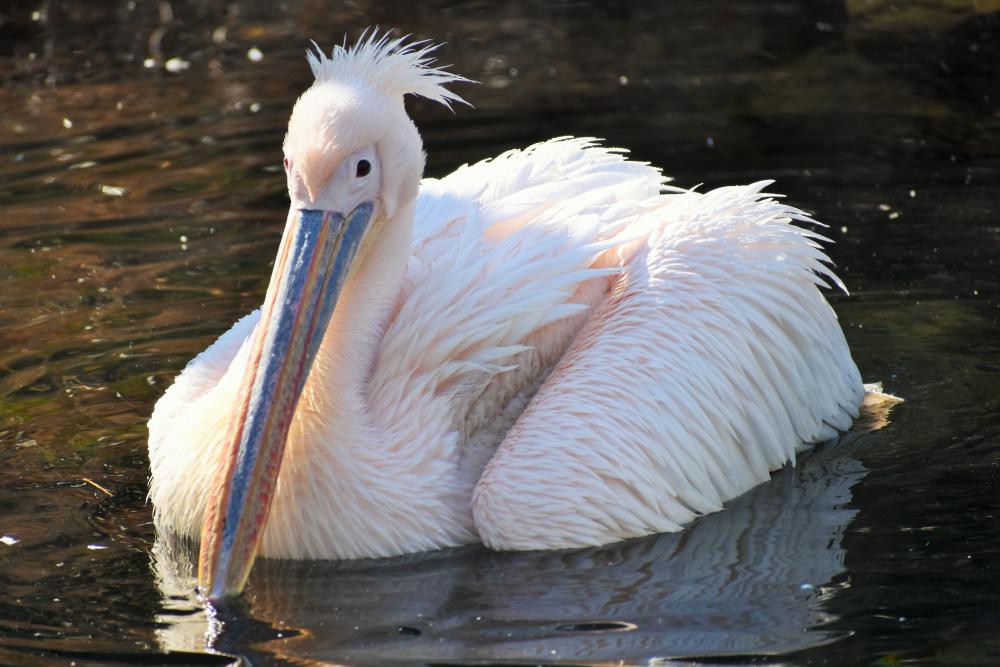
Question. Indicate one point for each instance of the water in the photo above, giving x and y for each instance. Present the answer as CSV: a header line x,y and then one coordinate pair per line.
x,y
141,198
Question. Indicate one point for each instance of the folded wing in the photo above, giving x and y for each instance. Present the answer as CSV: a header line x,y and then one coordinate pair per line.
x,y
713,360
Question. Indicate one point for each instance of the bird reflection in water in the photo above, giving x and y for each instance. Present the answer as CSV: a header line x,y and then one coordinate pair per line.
x,y
754,579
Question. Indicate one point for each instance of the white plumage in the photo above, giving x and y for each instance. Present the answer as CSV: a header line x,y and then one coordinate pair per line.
x,y
564,352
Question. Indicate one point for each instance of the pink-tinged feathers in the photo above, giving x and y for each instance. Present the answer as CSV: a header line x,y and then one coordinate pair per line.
x,y
711,360
548,349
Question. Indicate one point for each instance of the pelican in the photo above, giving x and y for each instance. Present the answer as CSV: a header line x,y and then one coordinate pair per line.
x,y
549,349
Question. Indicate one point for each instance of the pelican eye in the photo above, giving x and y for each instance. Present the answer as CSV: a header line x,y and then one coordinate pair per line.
x,y
363,169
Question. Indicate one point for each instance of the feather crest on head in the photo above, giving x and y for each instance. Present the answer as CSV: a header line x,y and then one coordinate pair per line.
x,y
389,65
357,101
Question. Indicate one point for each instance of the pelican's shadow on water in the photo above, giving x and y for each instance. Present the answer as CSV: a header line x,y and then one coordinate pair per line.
x,y
751,579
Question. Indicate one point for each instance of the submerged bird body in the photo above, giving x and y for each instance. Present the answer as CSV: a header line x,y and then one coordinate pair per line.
x,y
548,349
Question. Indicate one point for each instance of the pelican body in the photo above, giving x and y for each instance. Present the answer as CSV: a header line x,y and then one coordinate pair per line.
x,y
549,349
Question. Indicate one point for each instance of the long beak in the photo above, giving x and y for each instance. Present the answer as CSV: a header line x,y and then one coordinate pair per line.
x,y
315,256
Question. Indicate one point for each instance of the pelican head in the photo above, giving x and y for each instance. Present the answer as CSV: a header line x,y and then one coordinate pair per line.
x,y
354,161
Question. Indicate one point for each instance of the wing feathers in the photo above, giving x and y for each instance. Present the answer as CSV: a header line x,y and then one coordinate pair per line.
x,y
710,364
500,249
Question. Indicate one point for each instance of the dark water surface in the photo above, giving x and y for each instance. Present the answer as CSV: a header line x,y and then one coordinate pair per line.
x,y
141,200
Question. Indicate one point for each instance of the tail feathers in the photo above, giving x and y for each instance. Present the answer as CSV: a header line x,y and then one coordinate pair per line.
x,y
875,408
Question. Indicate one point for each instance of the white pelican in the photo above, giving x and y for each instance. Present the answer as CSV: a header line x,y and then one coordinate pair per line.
x,y
547,349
